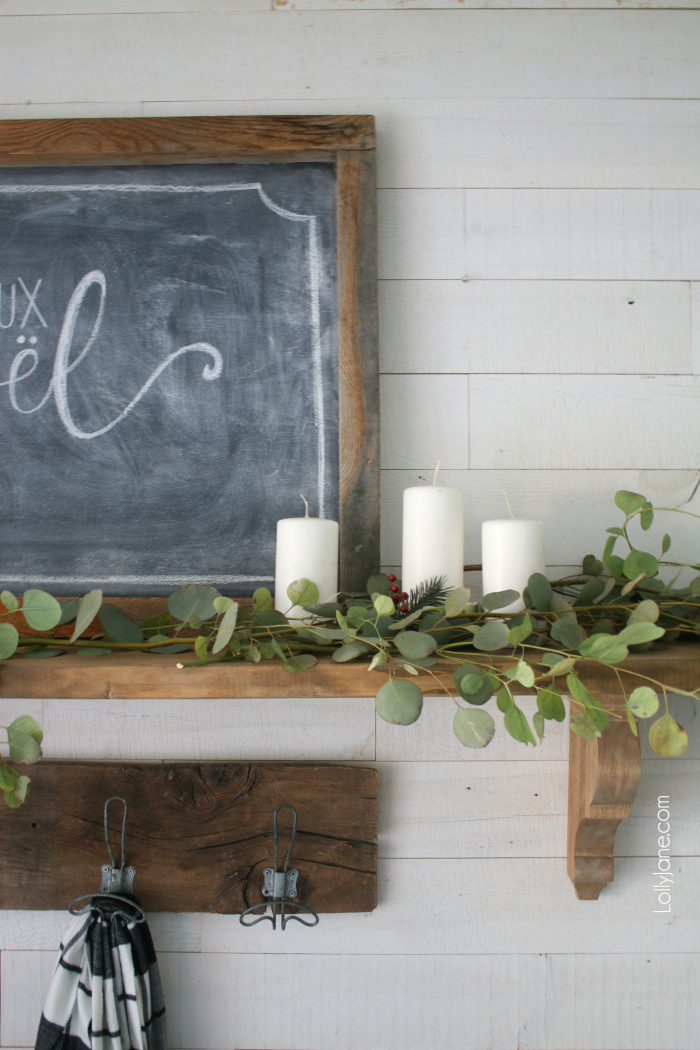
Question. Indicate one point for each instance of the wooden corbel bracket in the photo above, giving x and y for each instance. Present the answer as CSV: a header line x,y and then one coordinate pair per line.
x,y
603,781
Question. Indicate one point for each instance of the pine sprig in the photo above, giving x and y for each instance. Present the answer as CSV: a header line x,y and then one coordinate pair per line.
x,y
430,592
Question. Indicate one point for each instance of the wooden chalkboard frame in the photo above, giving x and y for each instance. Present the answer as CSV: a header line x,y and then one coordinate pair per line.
x,y
349,143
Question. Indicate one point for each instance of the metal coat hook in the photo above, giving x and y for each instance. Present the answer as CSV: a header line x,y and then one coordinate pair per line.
x,y
280,886
115,881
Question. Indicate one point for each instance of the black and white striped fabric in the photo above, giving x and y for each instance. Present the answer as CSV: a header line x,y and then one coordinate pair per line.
x,y
106,992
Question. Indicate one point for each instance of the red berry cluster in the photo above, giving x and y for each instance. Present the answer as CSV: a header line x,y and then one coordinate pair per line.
x,y
398,596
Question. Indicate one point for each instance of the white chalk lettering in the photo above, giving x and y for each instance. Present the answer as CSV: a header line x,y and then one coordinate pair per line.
x,y
63,366
31,297
13,301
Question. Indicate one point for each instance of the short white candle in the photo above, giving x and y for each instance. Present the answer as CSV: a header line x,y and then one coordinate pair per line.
x,y
307,548
512,549
433,536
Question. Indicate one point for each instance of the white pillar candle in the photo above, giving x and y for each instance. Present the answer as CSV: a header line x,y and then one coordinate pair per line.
x,y
307,548
433,536
512,549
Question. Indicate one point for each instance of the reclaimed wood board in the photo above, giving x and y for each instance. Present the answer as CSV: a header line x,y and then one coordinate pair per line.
x,y
142,675
199,836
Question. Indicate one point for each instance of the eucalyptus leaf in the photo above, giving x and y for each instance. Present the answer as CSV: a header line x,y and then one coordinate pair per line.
x,y
379,584
665,544
518,634
551,705
378,660
498,600
471,683
41,611
350,651
118,625
638,633
472,728
192,599
457,601
591,590
303,592
398,625
226,628
24,748
646,612
69,611
504,699
582,724
87,611
95,650
523,673
639,562
609,586
166,650
646,518
643,702
9,601
25,725
399,702
490,636
271,619
11,800
629,502
540,592
518,726
558,665
8,777
297,664
538,723
253,654
606,648
591,566
383,605
221,604
201,647
9,640
20,789
382,628
262,600
667,738
414,645
330,634
409,668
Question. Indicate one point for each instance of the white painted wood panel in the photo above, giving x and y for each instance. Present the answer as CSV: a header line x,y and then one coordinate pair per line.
x,y
613,235
407,5
335,54
38,931
24,981
431,738
531,422
494,142
444,809
58,8
498,906
421,234
576,505
526,1002
415,428
597,327
695,326
307,729
641,1001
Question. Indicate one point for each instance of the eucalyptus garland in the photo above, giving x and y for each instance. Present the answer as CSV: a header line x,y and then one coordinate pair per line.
x,y
614,606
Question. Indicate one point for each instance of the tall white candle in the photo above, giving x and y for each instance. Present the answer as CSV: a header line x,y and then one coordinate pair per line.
x,y
307,548
511,550
433,535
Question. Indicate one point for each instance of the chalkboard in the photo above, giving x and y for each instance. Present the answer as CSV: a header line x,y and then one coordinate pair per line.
x,y
169,370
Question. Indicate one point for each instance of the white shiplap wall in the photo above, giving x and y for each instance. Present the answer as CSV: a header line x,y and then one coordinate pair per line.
x,y
539,205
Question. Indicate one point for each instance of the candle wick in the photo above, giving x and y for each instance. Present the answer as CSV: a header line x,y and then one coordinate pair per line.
x,y
305,504
508,504
436,472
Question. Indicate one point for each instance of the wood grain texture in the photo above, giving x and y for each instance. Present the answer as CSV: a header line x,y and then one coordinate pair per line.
x,y
359,385
139,675
581,327
603,780
151,140
198,836
326,55
421,234
588,234
580,431
416,429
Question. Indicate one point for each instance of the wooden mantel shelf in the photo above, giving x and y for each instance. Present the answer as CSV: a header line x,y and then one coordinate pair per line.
x,y
139,676
603,773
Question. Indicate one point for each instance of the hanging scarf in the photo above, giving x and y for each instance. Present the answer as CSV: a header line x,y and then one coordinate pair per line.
x,y
106,992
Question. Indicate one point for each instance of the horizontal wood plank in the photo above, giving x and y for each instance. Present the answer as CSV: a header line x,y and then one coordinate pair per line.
x,y
306,729
596,327
495,906
415,428
198,836
421,234
576,506
127,675
526,1002
580,430
614,235
446,54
